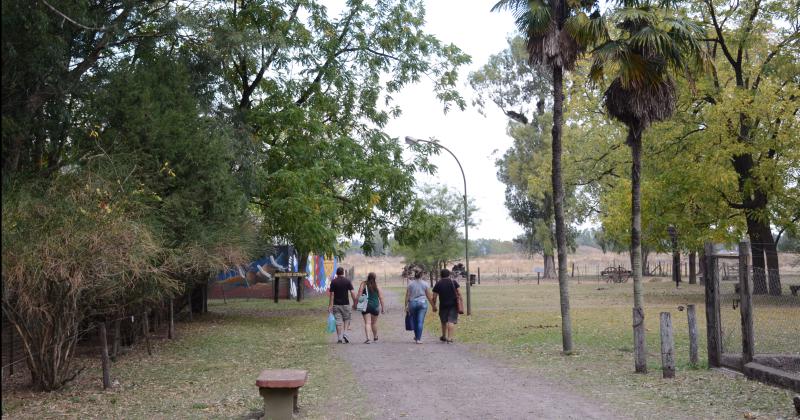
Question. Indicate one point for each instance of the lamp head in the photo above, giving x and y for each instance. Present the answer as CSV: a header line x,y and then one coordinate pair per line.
x,y
410,140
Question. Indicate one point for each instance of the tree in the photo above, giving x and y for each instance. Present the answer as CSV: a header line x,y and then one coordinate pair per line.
x,y
649,46
433,239
309,94
512,84
759,67
550,44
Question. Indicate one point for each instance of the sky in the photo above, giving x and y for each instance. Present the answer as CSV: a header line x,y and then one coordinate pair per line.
x,y
475,139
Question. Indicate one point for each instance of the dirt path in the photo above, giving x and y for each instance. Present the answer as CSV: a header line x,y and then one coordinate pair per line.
x,y
437,380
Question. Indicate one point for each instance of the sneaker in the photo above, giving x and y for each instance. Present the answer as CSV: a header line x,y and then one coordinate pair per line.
x,y
339,341
366,341
442,338
375,339
345,338
449,341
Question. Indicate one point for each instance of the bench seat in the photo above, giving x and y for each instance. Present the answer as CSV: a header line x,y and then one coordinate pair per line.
x,y
280,388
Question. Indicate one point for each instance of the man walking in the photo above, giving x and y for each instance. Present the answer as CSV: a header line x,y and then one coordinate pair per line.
x,y
446,291
339,303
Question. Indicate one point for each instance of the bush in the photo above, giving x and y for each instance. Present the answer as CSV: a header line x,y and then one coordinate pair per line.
x,y
72,251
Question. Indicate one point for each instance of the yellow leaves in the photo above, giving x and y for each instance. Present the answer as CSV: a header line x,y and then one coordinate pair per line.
x,y
374,199
167,170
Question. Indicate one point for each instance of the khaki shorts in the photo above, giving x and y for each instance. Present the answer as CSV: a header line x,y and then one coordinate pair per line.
x,y
341,313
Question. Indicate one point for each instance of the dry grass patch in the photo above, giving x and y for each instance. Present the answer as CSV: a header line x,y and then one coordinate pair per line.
x,y
210,370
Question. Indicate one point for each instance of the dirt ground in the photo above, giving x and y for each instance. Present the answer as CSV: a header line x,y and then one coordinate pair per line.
x,y
449,381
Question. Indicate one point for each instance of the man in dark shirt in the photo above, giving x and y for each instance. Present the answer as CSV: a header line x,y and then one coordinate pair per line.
x,y
445,290
339,303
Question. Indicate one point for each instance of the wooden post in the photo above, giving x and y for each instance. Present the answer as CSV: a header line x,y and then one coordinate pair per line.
x,y
667,346
104,356
713,330
189,304
11,351
479,275
691,314
300,286
639,346
573,270
171,329
146,329
746,303
115,343
275,288
205,297
538,274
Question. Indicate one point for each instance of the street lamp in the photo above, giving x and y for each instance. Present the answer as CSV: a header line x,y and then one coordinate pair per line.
x,y
412,141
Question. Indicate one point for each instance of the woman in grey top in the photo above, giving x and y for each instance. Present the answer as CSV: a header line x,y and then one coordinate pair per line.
x,y
418,294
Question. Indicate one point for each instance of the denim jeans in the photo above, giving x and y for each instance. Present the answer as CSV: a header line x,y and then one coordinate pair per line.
x,y
417,308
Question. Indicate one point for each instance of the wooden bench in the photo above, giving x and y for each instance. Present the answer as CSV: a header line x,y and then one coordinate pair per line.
x,y
794,289
279,388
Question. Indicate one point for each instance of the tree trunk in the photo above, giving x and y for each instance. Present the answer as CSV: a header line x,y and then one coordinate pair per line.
x,y
635,142
759,235
558,207
773,272
549,266
692,268
640,351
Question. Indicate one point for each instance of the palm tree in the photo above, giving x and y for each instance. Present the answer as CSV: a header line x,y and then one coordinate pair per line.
x,y
551,44
650,48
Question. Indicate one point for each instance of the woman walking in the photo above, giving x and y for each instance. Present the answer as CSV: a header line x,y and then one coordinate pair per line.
x,y
418,294
374,298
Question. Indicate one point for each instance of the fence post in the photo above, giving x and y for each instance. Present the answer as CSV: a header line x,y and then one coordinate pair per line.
x,y
104,356
146,329
713,330
667,346
115,343
691,314
275,289
746,303
171,329
11,351
479,275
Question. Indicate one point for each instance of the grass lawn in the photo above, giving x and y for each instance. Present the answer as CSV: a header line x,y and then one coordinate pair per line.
x,y
209,371
521,323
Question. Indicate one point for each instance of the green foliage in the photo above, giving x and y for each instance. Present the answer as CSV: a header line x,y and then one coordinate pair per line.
x,y
216,127
433,238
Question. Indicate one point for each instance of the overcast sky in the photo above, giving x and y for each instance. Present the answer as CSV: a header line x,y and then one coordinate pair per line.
x,y
476,140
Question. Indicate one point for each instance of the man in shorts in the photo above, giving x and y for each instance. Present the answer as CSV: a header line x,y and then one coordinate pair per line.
x,y
339,303
445,290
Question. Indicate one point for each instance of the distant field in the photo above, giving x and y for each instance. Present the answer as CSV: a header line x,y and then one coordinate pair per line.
x,y
588,262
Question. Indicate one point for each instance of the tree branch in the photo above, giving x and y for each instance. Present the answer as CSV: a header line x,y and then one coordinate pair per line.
x,y
718,29
73,21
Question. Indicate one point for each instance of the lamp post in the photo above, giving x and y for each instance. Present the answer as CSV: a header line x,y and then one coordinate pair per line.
x,y
411,141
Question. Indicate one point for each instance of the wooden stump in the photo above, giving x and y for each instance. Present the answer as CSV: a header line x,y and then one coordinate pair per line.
x,y
667,346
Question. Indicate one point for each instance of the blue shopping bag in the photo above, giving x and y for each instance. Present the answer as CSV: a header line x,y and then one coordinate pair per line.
x,y
331,323
409,323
